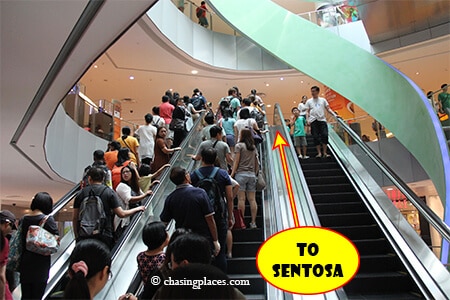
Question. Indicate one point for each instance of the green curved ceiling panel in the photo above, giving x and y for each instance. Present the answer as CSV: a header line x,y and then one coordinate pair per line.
x,y
363,78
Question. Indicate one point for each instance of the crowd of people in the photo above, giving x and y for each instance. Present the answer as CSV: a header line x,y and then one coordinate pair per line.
x,y
115,185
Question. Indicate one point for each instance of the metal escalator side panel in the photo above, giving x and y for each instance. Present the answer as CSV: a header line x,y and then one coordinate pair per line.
x,y
418,259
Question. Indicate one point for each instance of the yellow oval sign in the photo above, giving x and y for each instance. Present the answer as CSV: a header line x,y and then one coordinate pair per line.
x,y
308,260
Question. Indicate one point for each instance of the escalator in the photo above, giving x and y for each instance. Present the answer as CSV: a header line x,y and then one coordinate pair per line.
x,y
62,214
341,193
340,208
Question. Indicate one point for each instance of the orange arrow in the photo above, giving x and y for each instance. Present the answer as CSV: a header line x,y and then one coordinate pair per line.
x,y
280,142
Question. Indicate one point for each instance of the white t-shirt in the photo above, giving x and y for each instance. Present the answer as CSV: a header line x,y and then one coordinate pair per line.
x,y
303,109
147,136
317,108
123,190
242,123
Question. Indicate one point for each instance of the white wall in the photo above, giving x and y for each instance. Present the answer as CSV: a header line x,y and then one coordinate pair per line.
x,y
68,147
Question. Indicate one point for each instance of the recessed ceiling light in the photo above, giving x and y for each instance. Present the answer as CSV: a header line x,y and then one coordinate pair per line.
x,y
267,84
417,73
281,78
269,105
131,77
301,81
295,102
95,66
194,72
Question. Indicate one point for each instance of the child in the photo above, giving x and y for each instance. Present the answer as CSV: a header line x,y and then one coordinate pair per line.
x,y
298,131
155,238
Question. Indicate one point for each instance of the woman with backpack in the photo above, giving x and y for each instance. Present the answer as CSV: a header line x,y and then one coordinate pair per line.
x,y
130,194
245,168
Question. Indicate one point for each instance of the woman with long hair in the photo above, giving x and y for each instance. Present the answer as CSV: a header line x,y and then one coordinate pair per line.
x,y
130,195
162,150
123,159
245,168
89,269
34,268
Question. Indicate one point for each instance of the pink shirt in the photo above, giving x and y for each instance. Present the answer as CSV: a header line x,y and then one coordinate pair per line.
x,y
165,111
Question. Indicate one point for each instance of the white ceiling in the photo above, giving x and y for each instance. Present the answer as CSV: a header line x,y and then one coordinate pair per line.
x,y
28,49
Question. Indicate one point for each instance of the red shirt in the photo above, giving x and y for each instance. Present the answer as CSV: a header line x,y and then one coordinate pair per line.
x,y
165,111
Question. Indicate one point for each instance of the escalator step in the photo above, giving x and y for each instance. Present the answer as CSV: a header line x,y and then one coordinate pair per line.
x,y
359,232
245,249
326,180
380,283
332,208
372,246
379,263
324,173
313,164
242,265
336,198
330,188
248,235
343,219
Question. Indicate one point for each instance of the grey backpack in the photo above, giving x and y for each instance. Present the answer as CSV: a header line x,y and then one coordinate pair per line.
x,y
92,215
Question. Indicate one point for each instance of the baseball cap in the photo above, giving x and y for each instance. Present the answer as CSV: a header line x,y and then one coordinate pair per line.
x,y
7,216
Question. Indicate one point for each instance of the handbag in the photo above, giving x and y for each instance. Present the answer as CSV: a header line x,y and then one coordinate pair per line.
x,y
238,219
41,241
15,251
260,181
176,124
257,137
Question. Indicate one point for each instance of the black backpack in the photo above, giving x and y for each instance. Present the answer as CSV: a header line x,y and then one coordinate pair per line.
x,y
199,12
212,189
92,215
198,103
259,118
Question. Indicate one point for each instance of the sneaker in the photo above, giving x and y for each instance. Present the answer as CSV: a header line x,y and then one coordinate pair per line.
x,y
326,155
301,157
229,255
253,226
305,157
319,155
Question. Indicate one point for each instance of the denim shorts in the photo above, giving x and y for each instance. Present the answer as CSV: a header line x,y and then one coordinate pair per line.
x,y
247,181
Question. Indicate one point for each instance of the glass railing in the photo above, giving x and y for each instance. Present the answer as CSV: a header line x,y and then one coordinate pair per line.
x,y
389,182
332,15
215,23
327,16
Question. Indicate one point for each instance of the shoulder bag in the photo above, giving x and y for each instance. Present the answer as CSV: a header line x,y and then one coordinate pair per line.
x,y
41,241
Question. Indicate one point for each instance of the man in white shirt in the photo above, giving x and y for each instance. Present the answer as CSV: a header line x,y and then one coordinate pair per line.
x,y
317,120
147,135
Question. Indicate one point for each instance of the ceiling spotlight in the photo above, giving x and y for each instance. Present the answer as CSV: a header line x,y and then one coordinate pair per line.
x,y
95,66
267,84
269,105
131,77
417,73
194,72
301,81
281,78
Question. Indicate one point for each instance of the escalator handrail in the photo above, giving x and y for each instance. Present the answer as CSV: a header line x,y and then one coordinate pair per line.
x,y
430,215
61,203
